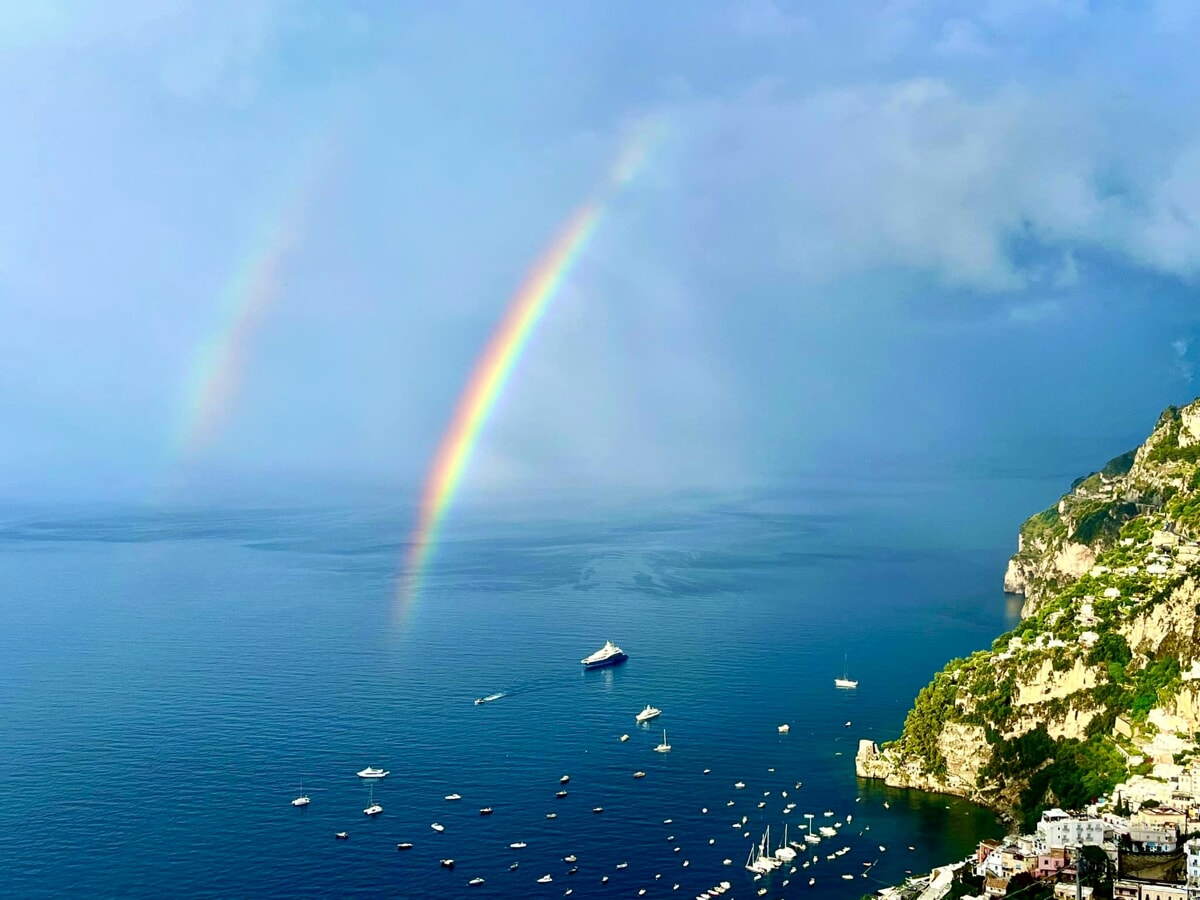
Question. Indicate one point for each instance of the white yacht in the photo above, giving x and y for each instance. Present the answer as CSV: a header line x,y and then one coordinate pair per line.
x,y
373,808
760,859
438,827
454,796
845,681
475,881
368,772
785,854
545,879
664,747
647,714
518,845
784,729
608,655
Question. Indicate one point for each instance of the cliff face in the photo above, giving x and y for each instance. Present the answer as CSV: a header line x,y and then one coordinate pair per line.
x,y
1110,627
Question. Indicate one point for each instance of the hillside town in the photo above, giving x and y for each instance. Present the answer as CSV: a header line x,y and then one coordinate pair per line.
x,y
1145,850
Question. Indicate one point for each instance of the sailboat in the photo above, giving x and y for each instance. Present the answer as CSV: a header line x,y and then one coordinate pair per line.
x,y
303,799
373,808
785,853
845,681
760,859
664,747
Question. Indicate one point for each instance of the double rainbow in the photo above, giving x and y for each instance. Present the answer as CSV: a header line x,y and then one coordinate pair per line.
x,y
500,356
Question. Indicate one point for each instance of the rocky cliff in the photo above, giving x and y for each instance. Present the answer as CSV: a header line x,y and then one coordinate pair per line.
x,y
1110,628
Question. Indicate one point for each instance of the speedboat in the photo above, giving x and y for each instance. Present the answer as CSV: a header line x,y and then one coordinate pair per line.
x,y
570,858
486,811
513,867
479,701
551,815
447,864
639,774
784,729
622,865
438,827
597,809
739,785
624,738
564,779
608,655
545,879
560,794
519,845
404,846
648,713
604,880
368,772
454,796
475,881
341,835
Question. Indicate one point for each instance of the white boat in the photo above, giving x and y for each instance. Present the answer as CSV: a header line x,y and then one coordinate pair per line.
x,y
650,712
545,879
551,815
608,655
438,827
785,854
739,784
519,845
368,772
845,681
810,837
760,859
564,779
454,796
784,729
639,774
479,701
475,881
373,808
303,799
624,738
664,747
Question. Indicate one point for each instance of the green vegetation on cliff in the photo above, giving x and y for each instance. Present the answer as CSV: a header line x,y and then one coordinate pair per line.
x,y
1108,643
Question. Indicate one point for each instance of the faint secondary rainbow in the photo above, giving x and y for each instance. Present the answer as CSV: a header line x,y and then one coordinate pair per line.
x,y
220,360
500,356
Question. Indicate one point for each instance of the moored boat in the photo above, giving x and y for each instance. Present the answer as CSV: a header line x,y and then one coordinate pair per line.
x,y
369,772
648,713
608,655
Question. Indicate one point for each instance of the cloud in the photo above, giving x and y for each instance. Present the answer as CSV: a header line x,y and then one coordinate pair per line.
x,y
1184,366
765,20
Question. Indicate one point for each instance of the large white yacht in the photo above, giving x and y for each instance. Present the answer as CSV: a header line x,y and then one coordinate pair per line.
x,y
368,772
648,713
608,655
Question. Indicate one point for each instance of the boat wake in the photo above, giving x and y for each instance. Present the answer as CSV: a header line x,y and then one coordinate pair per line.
x,y
479,701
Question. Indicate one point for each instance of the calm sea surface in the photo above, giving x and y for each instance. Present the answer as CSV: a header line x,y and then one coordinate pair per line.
x,y
169,678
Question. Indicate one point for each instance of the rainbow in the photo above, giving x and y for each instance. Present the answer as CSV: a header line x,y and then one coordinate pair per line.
x,y
220,360
500,356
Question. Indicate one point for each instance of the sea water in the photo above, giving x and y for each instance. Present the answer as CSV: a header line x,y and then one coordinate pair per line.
x,y
169,678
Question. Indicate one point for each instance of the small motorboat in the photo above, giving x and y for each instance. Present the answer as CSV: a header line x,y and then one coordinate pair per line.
x,y
479,701
513,867
438,827
341,835
739,785
572,870
622,865
551,815
570,858
727,862
848,877
454,796
564,779
624,738
545,879
486,811
404,846
597,809
784,729
848,724
561,794
519,845
604,880
639,774
668,821
447,864
475,881
706,771
368,772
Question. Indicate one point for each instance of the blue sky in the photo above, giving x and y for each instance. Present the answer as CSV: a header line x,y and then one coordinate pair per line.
x,y
874,233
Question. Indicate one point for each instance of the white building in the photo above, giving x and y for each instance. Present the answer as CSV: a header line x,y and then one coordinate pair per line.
x,y
1060,829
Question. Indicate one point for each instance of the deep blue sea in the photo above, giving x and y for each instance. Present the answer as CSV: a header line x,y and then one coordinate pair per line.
x,y
169,677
